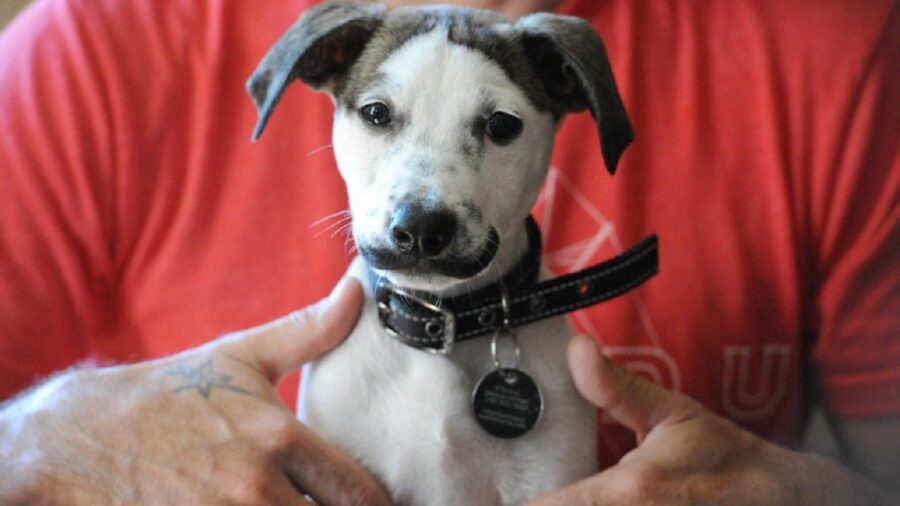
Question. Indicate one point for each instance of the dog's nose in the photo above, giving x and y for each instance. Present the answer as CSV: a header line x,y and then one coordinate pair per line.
x,y
415,230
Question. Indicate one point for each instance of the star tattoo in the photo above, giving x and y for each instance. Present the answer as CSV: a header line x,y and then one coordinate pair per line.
x,y
204,378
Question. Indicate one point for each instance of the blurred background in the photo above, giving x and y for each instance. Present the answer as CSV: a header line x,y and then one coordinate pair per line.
x,y
9,8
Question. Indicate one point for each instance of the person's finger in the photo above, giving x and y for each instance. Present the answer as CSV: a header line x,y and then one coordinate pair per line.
x,y
278,347
586,491
327,474
284,492
634,402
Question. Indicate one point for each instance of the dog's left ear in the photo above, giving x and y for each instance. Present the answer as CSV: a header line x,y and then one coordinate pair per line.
x,y
571,61
317,49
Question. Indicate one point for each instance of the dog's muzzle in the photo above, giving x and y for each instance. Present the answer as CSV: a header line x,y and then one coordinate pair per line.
x,y
429,241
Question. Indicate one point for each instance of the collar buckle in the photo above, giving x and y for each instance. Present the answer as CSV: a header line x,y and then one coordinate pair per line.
x,y
446,333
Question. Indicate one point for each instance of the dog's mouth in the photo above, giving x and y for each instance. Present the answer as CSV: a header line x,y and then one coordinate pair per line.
x,y
459,265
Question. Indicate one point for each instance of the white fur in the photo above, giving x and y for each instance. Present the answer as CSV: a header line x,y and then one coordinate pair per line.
x,y
406,414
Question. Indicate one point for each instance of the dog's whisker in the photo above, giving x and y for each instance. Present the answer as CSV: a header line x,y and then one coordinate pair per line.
x,y
337,214
477,259
319,149
339,224
346,227
336,227
343,214
341,219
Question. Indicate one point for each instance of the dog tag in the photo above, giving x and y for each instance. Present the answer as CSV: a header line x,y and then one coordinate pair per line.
x,y
507,403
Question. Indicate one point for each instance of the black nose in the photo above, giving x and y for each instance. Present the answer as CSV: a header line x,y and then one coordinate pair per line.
x,y
415,230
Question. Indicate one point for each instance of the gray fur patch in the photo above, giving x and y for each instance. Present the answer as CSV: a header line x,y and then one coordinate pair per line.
x,y
472,211
471,145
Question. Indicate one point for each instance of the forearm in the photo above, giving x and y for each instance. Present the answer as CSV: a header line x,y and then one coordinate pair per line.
x,y
17,485
25,463
13,488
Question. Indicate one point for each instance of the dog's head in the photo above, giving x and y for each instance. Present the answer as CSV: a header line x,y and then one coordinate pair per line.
x,y
444,122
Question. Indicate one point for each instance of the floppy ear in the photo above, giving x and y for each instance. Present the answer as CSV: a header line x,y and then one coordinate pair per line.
x,y
570,59
317,49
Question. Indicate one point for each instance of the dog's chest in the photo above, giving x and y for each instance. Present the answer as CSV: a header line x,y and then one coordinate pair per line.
x,y
406,416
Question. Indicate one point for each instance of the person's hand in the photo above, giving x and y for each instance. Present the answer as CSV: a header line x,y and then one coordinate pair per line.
x,y
688,455
202,427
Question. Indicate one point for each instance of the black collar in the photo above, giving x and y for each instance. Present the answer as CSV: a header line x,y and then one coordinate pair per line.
x,y
425,321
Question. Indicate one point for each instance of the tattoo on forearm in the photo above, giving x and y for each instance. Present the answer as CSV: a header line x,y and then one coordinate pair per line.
x,y
204,378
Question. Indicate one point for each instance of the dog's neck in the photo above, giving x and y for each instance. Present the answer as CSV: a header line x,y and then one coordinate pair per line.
x,y
513,247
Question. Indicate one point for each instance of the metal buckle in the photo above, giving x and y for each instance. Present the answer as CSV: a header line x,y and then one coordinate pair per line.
x,y
384,311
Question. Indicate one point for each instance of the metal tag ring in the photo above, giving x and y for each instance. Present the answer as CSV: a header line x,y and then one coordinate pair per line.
x,y
495,356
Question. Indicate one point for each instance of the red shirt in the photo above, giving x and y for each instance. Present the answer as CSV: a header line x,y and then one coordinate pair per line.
x,y
138,220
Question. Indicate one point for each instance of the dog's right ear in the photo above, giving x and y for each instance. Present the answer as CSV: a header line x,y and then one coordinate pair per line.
x,y
317,49
572,63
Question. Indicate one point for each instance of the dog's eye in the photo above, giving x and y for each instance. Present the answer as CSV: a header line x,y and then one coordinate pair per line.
x,y
376,114
503,127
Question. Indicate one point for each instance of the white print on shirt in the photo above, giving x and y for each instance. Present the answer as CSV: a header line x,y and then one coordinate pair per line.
x,y
748,399
580,254
651,361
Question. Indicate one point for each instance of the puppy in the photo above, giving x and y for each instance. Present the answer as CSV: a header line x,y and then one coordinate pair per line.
x,y
443,131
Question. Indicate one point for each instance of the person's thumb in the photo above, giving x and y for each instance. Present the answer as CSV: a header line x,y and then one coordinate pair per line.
x,y
627,398
280,346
